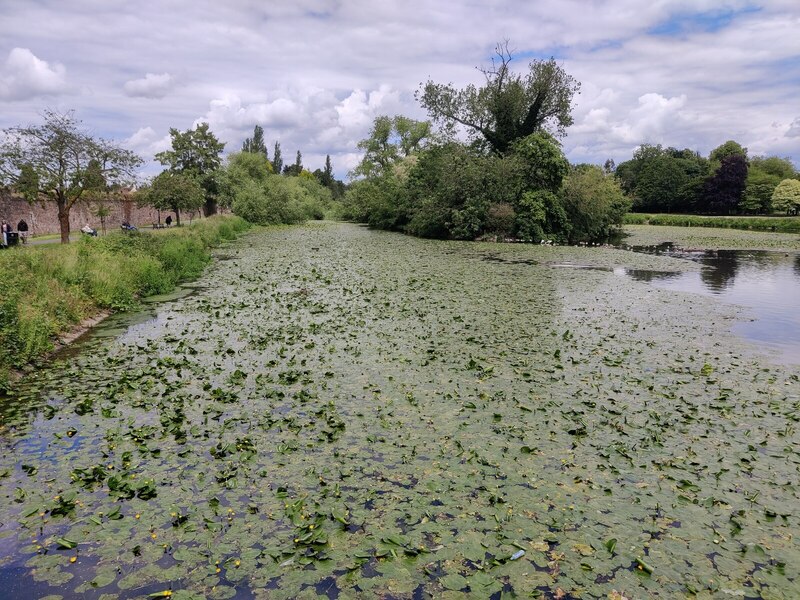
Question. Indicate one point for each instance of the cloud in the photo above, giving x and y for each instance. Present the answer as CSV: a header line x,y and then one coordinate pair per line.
x,y
24,76
794,129
315,73
151,86
147,142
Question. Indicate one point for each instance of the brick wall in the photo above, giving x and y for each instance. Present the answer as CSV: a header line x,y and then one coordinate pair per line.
x,y
43,219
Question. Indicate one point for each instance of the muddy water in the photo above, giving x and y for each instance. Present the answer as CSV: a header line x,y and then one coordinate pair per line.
x,y
359,414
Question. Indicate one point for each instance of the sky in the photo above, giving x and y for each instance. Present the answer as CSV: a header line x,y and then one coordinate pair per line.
x,y
315,73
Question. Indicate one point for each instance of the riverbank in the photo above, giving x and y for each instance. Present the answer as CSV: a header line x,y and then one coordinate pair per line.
x,y
748,223
50,290
709,238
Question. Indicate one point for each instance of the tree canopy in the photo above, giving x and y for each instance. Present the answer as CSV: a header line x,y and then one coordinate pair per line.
x,y
59,162
255,144
176,192
509,105
196,153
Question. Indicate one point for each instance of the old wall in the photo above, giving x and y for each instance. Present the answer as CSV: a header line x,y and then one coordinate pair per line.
x,y
43,219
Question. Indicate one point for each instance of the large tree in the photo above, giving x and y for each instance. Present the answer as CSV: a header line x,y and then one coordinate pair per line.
x,y
196,153
59,162
175,192
786,197
509,105
390,140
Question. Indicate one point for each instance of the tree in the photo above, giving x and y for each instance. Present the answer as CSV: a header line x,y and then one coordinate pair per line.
x,y
176,192
763,176
390,139
241,168
59,162
594,203
327,174
509,105
256,145
786,197
196,153
724,189
277,159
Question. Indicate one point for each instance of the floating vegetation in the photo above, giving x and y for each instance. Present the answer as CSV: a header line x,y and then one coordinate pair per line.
x,y
347,413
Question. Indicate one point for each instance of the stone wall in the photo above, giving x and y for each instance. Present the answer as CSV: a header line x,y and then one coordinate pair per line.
x,y
43,218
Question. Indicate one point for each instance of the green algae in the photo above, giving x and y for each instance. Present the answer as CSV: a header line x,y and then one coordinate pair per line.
x,y
350,413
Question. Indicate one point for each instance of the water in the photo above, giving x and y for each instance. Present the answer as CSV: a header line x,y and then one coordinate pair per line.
x,y
766,283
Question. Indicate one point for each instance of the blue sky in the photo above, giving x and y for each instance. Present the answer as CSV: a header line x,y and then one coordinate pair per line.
x,y
315,73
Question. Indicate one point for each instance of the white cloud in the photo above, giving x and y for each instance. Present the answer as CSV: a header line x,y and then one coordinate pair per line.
x,y
315,73
24,76
150,86
147,142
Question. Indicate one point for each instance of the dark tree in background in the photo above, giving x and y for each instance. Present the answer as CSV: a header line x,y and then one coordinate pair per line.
x,y
723,191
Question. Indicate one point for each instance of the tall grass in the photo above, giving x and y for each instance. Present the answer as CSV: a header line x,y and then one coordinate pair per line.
x,y
779,224
46,290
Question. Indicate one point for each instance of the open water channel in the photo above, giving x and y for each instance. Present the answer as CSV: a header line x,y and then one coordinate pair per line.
x,y
345,413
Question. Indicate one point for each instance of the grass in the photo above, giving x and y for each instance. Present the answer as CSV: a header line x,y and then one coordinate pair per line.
x,y
51,288
776,224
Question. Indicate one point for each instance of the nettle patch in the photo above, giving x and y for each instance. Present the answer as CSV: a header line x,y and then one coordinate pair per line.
x,y
345,413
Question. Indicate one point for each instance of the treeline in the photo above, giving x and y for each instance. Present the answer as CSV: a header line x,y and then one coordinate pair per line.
x,y
727,182
509,180
258,189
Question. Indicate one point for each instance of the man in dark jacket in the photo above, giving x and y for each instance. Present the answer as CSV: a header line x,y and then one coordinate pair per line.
x,y
22,227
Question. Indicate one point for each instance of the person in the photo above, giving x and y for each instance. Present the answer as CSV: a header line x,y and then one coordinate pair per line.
x,y
89,231
169,221
5,229
22,227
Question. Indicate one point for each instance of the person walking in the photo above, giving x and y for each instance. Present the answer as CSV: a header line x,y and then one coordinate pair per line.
x,y
5,229
169,220
22,227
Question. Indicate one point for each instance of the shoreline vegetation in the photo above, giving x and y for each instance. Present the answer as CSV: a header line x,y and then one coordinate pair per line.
x,y
753,223
52,289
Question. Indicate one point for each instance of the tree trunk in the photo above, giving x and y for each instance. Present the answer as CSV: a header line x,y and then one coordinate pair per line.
x,y
63,220
210,208
177,217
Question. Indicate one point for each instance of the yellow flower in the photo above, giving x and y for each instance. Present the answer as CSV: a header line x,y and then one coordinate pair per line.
x,y
72,559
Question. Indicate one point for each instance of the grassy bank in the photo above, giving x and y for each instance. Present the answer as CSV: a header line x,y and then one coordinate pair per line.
x,y
47,290
776,224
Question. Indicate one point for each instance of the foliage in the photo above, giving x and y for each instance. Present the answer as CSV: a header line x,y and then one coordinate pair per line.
x,y
57,161
594,204
196,153
390,140
255,144
174,191
277,159
509,105
280,200
56,287
786,197
723,191
777,224
763,176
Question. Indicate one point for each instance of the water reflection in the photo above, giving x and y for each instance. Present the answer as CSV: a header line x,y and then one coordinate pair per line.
x,y
767,283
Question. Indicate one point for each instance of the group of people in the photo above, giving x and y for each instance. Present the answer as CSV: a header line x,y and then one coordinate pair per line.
x,y
6,232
